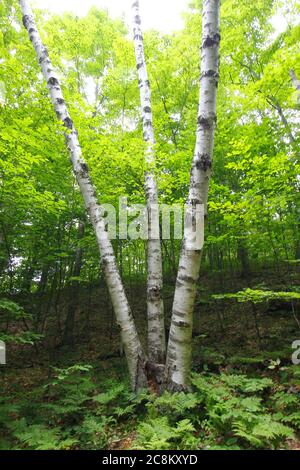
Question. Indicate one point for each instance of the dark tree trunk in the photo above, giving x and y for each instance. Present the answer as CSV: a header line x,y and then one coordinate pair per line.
x,y
68,335
243,258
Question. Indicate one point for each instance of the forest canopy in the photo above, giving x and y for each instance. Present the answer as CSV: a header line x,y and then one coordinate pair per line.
x,y
120,107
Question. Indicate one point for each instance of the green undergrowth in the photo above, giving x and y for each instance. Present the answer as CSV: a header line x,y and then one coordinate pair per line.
x,y
75,408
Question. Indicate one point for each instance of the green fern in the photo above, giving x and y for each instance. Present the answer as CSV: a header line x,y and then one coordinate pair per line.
x,y
233,410
264,433
110,395
158,434
39,437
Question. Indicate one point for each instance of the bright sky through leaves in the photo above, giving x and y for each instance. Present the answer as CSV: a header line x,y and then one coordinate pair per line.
x,y
164,15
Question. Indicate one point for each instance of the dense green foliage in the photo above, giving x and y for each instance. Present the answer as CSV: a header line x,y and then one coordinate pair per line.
x,y
74,409
254,197
245,392
11,312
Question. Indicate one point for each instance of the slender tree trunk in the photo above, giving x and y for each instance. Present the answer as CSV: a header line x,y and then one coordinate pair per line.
x,y
242,254
133,349
276,105
297,244
156,333
68,335
44,279
178,363
285,123
28,275
296,83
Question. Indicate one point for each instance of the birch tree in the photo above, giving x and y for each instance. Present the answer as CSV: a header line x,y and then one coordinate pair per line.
x,y
296,84
130,339
155,309
178,362
179,348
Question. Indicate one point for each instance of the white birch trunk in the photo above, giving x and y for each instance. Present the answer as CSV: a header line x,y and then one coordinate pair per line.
x,y
178,363
295,80
296,84
155,310
132,345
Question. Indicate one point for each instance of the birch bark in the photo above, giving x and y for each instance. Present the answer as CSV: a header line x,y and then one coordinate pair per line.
x,y
295,80
296,84
132,345
155,309
178,362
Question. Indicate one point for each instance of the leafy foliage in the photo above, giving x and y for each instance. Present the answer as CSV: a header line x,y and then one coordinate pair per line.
x,y
75,410
241,417
13,313
253,221
257,296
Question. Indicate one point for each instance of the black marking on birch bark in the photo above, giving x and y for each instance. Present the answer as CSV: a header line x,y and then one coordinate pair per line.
x,y
210,73
137,19
172,354
44,56
186,279
27,19
179,314
210,41
138,37
68,122
60,100
31,38
194,200
147,123
182,268
135,5
53,81
203,162
204,122
104,263
182,324
176,340
140,65
147,109
31,30
147,83
179,284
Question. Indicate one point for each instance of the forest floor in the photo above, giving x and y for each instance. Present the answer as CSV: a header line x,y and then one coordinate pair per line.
x,y
245,388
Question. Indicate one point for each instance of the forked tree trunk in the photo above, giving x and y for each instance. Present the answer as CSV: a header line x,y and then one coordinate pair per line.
x,y
156,331
132,345
178,365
